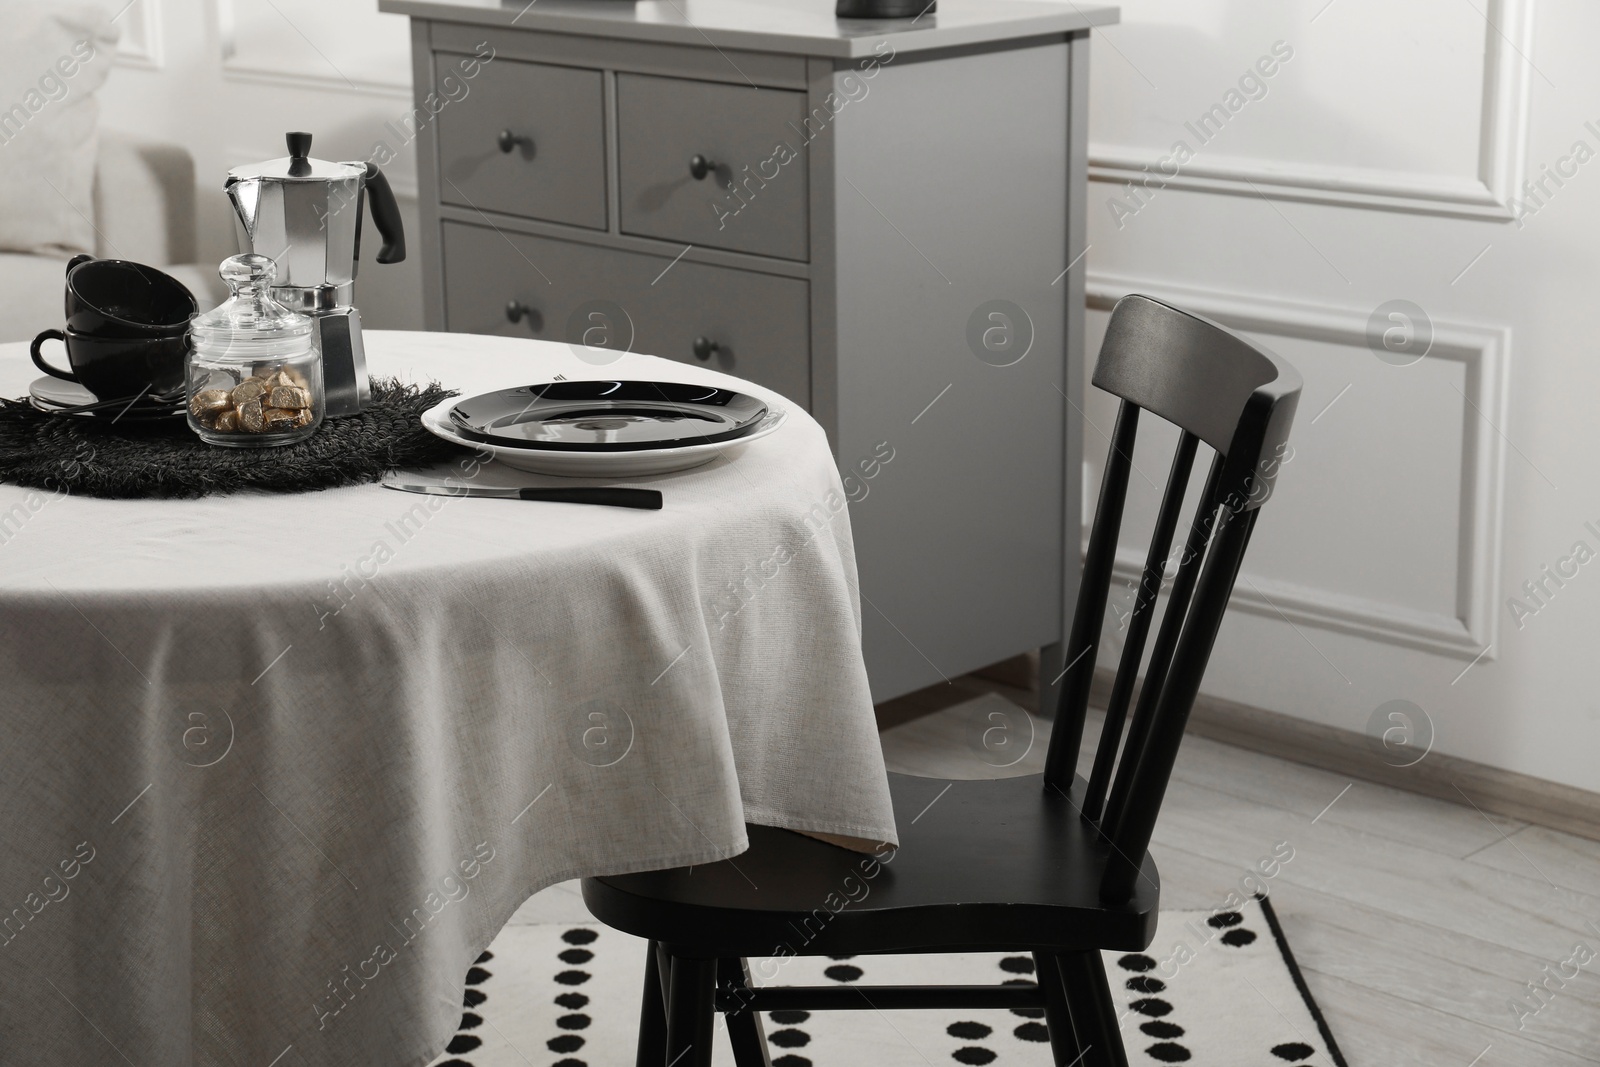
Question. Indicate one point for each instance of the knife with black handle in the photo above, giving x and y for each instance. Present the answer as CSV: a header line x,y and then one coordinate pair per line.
x,y
646,499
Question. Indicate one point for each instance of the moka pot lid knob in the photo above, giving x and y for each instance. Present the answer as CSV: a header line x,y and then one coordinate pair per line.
x,y
297,166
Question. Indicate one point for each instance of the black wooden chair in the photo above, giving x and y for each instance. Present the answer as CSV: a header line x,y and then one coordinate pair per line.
x,y
1048,864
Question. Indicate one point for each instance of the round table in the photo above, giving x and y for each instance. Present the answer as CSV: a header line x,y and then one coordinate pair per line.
x,y
278,767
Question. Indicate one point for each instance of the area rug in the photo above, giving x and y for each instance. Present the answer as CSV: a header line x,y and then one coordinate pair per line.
x,y
1214,988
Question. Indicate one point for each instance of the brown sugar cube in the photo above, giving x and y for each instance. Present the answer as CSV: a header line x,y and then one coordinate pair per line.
x,y
289,396
252,417
248,390
302,418
208,402
280,418
226,422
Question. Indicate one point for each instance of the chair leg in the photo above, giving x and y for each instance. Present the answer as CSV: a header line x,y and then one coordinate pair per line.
x,y
652,1014
1064,1047
691,1012
1094,1013
744,1027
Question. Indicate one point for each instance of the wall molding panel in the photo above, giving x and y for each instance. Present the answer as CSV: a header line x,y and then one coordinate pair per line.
x,y
245,75
140,45
1502,150
1483,351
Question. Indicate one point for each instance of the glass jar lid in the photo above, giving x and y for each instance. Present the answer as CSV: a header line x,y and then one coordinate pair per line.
x,y
250,325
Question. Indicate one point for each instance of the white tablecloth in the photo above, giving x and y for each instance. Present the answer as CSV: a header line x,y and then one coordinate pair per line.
x,y
274,769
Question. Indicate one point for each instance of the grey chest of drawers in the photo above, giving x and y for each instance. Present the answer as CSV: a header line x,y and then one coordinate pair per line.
x,y
881,220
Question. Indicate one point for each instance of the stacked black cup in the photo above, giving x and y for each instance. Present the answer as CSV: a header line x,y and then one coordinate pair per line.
x,y
127,330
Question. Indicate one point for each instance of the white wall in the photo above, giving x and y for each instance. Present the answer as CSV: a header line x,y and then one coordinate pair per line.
x,y
227,78
1379,164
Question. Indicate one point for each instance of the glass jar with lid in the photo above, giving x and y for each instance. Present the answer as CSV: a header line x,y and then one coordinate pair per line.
x,y
255,375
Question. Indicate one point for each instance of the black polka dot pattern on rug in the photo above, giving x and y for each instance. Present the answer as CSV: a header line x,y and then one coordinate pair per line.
x,y
792,1036
1168,1052
464,1042
1036,1032
1031,1032
575,956
1172,1011
789,1037
1154,1009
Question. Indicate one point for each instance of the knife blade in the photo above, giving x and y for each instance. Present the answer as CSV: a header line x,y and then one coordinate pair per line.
x,y
646,499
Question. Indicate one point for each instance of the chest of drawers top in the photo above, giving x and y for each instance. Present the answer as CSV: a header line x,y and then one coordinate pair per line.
x,y
795,27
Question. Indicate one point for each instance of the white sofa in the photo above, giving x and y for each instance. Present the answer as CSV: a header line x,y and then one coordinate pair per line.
x,y
144,207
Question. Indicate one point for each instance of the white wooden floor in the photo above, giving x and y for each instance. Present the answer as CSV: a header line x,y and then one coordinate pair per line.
x,y
1417,922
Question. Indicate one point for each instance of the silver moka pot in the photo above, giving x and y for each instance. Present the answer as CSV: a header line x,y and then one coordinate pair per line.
x,y
305,214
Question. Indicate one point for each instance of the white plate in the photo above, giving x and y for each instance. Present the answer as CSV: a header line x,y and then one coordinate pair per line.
x,y
436,420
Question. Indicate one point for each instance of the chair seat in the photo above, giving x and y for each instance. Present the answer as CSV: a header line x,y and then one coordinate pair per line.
x,y
994,865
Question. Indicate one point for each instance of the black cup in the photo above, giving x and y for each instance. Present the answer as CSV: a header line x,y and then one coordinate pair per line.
x,y
118,298
113,368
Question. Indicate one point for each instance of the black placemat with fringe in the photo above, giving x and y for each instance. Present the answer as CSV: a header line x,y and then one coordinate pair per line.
x,y
95,457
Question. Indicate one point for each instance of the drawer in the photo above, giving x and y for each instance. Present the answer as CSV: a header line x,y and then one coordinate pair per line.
x,y
758,323
754,197
528,140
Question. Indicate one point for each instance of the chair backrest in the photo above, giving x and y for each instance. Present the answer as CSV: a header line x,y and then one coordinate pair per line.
x,y
1239,399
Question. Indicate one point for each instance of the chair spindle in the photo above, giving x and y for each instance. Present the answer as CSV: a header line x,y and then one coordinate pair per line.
x,y
1131,835
1144,606
1194,550
1067,735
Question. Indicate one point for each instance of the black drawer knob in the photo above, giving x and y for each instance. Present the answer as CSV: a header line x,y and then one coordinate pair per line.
x,y
509,141
516,311
700,166
705,348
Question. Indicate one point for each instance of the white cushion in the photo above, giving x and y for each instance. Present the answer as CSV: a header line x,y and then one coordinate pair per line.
x,y
54,57
32,296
